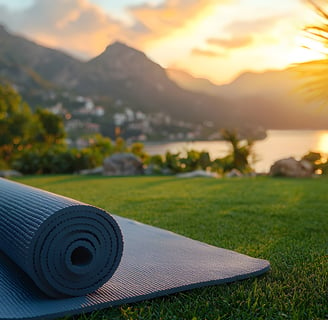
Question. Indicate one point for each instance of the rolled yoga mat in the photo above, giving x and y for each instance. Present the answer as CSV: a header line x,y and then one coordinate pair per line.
x,y
63,257
65,246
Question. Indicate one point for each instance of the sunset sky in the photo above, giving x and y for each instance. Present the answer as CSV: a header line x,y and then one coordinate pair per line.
x,y
215,39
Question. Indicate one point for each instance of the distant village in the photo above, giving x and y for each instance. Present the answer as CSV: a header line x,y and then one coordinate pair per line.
x,y
83,116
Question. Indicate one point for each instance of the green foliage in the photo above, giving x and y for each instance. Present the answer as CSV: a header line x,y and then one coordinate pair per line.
x,y
195,160
223,165
204,160
319,163
20,130
156,163
56,159
281,220
50,127
238,158
138,149
15,122
3,165
34,143
88,158
101,144
120,145
241,151
173,162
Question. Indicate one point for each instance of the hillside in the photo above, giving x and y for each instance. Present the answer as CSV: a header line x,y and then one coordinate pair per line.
x,y
42,65
272,99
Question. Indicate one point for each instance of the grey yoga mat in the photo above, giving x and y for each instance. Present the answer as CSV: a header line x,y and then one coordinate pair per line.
x,y
62,257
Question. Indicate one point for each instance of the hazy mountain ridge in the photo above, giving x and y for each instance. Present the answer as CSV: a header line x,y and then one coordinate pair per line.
x,y
272,99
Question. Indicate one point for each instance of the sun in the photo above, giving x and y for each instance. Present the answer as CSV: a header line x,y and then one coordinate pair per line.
x,y
323,142
306,50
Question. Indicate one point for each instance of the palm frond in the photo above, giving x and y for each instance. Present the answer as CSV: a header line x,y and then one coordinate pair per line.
x,y
314,74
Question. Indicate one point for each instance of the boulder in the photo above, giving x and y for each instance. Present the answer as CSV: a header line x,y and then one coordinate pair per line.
x,y
290,167
9,173
93,171
234,173
122,164
197,173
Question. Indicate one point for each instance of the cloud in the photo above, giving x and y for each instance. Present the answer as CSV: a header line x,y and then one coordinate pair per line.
x,y
85,29
247,27
74,25
242,33
231,43
169,16
206,53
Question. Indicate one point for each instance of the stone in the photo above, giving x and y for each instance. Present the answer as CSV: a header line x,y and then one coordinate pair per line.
x,y
234,173
9,173
122,164
93,171
290,167
197,173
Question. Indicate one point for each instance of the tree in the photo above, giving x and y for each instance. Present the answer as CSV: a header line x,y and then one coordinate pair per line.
x,y
241,150
101,144
50,127
15,122
315,73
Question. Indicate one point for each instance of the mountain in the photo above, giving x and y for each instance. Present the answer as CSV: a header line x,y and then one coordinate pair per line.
x,y
272,99
33,62
128,75
125,78
121,73
188,82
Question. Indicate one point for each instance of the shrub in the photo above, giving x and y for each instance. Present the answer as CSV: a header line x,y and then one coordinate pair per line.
x,y
173,162
319,163
137,149
156,163
56,159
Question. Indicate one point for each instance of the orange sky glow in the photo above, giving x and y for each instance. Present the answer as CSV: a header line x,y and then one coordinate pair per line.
x,y
214,39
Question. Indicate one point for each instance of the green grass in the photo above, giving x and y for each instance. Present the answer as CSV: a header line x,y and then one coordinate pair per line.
x,y
282,220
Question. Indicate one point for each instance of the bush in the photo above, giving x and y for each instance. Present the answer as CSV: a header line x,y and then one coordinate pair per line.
x,y
319,163
173,162
3,165
156,163
137,149
56,159
28,161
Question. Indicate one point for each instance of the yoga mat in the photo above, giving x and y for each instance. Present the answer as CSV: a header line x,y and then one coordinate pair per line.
x,y
62,257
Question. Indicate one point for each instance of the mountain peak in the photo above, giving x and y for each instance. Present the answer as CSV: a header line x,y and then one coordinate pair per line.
x,y
120,47
118,55
117,44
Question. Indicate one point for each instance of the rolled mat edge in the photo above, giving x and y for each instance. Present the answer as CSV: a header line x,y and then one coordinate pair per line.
x,y
67,248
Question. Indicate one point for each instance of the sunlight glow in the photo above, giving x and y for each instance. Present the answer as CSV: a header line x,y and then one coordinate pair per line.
x,y
183,39
323,142
306,50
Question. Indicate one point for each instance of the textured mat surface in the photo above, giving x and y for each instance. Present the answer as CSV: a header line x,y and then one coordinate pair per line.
x,y
154,263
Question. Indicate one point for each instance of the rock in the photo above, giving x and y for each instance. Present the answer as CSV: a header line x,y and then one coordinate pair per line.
x,y
153,169
197,173
9,173
290,167
122,164
234,173
98,170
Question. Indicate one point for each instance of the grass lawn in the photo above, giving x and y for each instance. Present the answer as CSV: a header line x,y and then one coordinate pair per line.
x,y
282,220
